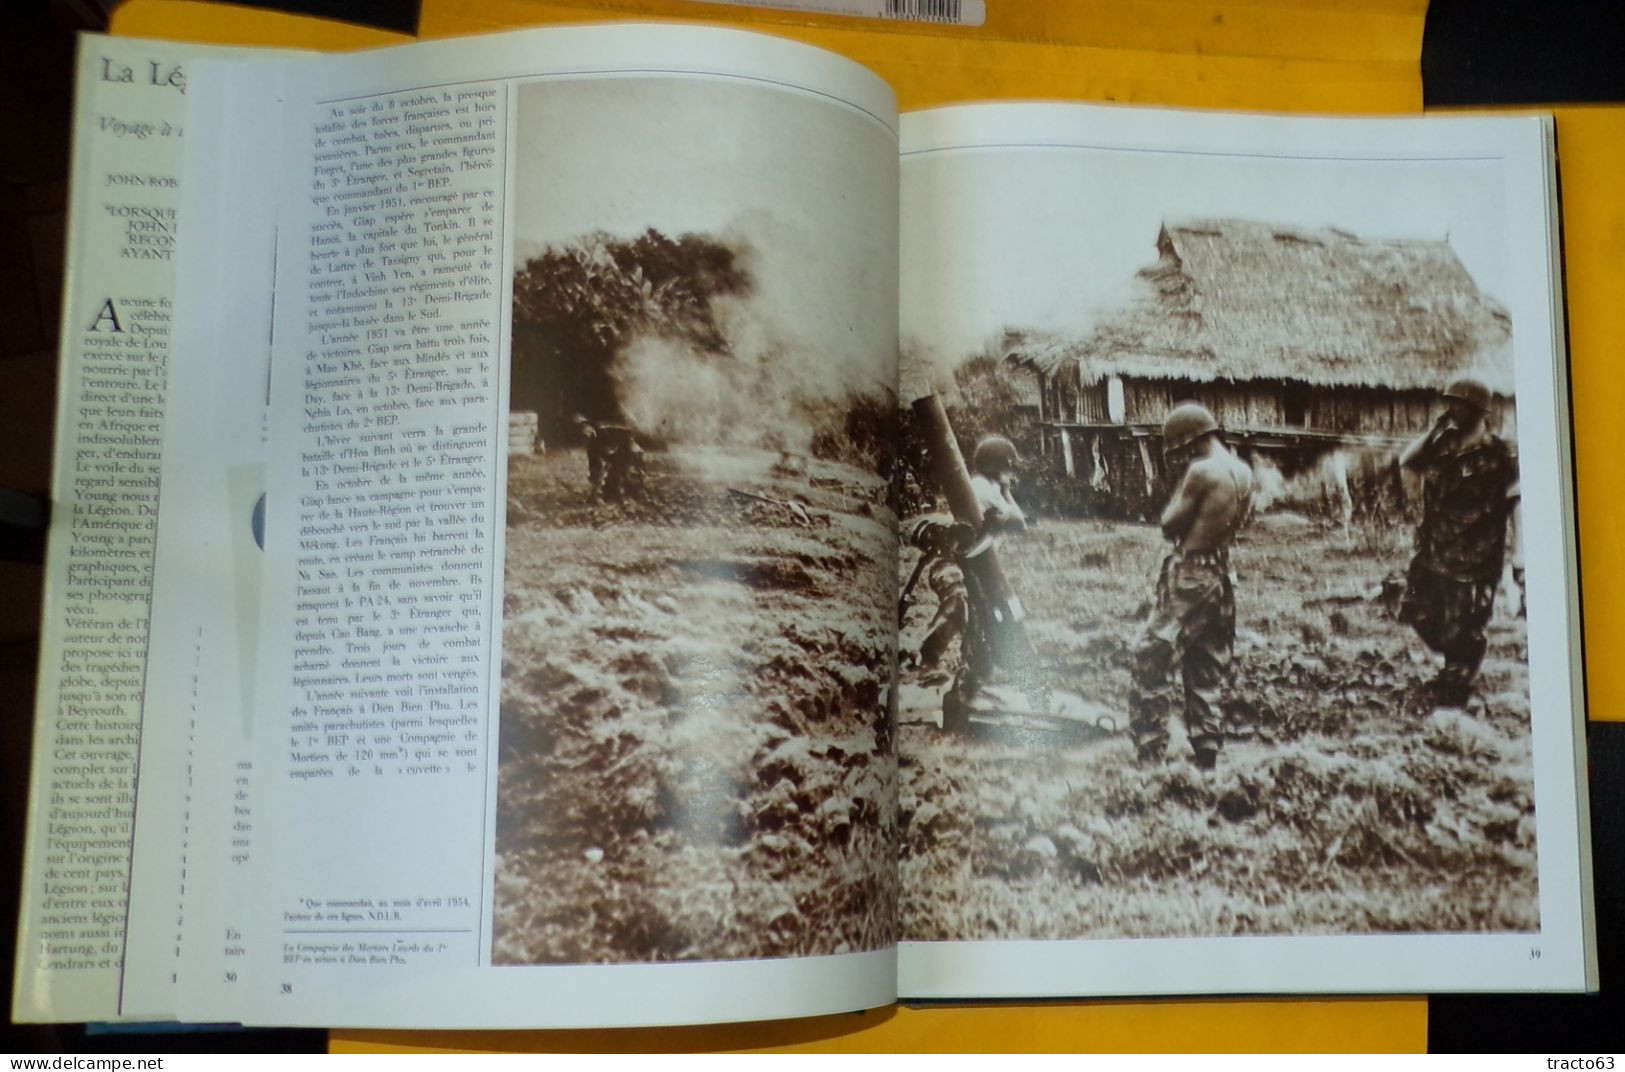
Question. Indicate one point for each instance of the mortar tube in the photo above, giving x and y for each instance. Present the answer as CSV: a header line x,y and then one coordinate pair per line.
x,y
953,477
947,463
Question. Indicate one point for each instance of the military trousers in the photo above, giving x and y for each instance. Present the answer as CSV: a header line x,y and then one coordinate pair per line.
x,y
1193,630
1451,616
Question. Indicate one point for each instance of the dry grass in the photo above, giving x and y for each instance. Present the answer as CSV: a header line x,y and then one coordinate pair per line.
x,y
693,761
1348,807
695,765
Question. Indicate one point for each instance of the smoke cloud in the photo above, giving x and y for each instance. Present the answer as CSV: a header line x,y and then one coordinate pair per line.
x,y
801,340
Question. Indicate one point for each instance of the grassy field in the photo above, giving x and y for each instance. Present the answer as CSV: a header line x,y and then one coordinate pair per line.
x,y
693,759
1348,806
695,765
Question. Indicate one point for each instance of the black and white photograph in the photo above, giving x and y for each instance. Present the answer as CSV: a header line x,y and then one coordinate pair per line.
x,y
1213,595
698,624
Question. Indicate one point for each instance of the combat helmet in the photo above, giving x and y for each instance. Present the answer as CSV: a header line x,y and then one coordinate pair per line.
x,y
1188,422
1471,390
994,454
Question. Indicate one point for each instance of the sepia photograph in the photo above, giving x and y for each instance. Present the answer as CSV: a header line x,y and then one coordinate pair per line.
x,y
698,625
1212,587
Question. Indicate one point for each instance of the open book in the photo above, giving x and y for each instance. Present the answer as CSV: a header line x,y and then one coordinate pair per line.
x,y
614,525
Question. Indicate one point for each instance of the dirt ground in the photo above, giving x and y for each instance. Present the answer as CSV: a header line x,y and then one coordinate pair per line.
x,y
1349,806
694,763
694,756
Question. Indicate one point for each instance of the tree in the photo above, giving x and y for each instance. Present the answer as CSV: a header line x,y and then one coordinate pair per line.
x,y
578,303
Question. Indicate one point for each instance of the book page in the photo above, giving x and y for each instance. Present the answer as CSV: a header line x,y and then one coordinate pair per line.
x,y
579,617
1276,689
194,820
125,208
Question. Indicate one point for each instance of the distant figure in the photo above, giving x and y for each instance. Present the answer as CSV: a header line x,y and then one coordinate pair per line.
x,y
614,458
1469,492
1194,624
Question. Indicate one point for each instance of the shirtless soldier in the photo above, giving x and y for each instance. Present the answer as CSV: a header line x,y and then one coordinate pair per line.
x,y
1194,624
1470,491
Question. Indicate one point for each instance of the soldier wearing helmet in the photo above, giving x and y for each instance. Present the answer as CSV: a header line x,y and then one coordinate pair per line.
x,y
1193,627
1469,494
1185,424
993,464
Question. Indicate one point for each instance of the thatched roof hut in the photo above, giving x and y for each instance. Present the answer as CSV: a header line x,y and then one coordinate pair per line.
x,y
1239,299
1275,323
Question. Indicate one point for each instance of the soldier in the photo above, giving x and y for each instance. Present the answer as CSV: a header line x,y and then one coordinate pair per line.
x,y
1194,624
993,466
614,458
1469,491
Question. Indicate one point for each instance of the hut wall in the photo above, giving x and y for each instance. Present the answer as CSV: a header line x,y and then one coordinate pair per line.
x,y
1058,403
1252,404
1069,400
1148,401
1059,390
1344,409
1413,412
1276,405
1092,407
1373,411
